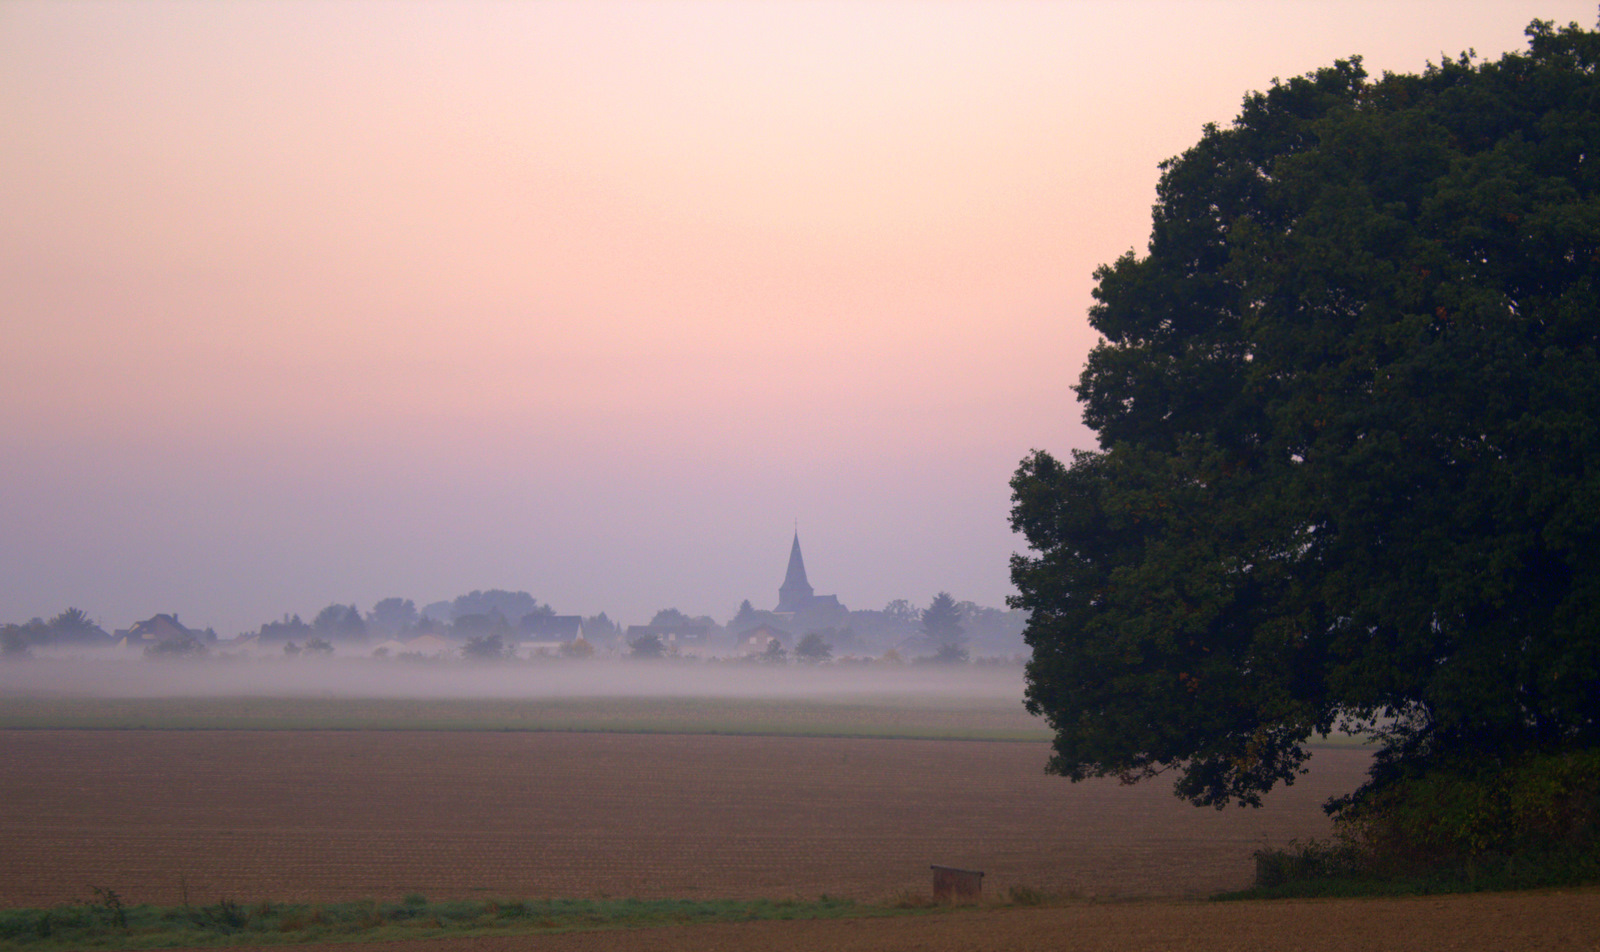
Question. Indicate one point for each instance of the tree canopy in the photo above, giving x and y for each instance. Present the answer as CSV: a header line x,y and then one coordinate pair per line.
x,y
941,620
647,646
812,649
340,622
1348,408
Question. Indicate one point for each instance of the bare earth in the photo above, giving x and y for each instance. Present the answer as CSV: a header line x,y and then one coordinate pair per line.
x,y
350,814
162,816
1567,921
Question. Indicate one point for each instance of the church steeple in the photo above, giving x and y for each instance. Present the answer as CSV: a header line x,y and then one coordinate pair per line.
x,y
795,591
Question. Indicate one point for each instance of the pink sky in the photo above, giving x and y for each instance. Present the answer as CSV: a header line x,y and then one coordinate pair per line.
x,y
322,302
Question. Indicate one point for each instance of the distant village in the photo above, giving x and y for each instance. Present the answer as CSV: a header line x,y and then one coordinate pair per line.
x,y
500,626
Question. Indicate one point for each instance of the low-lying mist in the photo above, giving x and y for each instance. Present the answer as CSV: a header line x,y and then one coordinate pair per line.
x,y
373,678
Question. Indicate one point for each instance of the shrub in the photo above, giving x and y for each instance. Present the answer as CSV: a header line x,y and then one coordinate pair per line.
x,y
812,649
185,647
1302,861
647,646
1529,824
1540,803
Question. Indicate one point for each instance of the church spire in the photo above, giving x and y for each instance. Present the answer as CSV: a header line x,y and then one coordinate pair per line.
x,y
795,591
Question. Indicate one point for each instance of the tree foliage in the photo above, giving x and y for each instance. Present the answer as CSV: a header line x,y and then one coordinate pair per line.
x,y
392,616
949,653
941,620
600,626
13,641
647,646
578,647
1348,408
187,646
340,623
75,627
812,649
496,600
486,648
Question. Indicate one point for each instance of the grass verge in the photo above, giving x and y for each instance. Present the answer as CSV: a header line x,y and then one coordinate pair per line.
x,y
106,923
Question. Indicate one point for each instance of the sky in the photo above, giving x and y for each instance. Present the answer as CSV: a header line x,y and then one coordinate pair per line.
x,y
320,302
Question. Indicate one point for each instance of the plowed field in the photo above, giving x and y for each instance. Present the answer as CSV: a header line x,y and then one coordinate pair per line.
x,y
160,816
1566,921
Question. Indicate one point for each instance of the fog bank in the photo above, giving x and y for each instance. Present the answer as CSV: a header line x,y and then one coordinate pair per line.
x,y
371,678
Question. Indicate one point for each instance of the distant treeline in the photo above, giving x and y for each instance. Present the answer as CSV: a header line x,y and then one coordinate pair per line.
x,y
945,625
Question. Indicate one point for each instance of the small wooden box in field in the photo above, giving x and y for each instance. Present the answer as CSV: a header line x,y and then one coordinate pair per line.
x,y
956,885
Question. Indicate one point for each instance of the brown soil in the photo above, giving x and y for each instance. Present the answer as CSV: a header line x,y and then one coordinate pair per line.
x,y
163,816
1519,922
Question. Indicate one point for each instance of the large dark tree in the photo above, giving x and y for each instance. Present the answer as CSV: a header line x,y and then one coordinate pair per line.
x,y
1348,408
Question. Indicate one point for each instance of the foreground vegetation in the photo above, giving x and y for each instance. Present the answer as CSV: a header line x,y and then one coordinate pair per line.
x,y
1529,824
1348,408
104,922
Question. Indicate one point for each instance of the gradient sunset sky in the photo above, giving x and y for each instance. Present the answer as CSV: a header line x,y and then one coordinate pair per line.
x,y
315,302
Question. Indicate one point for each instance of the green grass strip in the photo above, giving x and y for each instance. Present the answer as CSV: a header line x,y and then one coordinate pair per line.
x,y
105,923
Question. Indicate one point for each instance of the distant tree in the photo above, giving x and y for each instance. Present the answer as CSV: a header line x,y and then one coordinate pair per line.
x,y
291,650
877,627
578,647
996,630
647,646
290,629
13,641
775,653
480,624
600,630
745,617
838,638
486,648
329,618
340,623
599,626
317,646
75,627
392,616
497,600
187,646
941,620
670,617
903,611
812,649
949,653
36,631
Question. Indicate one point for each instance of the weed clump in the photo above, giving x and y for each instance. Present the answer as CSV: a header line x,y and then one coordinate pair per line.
x,y
1025,896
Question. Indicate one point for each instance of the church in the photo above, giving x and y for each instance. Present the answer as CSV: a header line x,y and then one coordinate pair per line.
x,y
799,604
